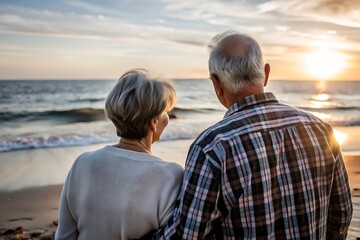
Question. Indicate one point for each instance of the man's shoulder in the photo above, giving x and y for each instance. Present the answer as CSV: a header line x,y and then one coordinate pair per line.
x,y
212,133
307,115
245,122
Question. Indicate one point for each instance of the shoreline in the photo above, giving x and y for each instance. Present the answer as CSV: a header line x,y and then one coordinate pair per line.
x,y
34,205
50,166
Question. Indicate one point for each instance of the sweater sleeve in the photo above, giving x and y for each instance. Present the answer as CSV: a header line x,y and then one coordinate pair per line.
x,y
67,227
169,193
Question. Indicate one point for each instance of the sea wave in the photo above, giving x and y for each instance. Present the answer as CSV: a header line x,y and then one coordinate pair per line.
x,y
174,131
183,110
80,114
337,116
347,123
21,143
331,108
71,115
87,100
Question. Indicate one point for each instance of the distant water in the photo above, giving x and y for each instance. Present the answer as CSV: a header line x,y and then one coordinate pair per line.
x,y
40,114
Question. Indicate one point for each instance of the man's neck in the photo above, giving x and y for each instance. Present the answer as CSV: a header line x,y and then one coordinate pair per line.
x,y
232,98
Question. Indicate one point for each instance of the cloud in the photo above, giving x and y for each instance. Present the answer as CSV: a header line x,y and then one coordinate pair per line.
x,y
94,26
14,50
335,6
215,12
341,12
193,23
191,42
92,8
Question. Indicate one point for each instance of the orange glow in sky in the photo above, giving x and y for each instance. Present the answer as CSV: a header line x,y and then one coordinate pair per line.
x,y
301,39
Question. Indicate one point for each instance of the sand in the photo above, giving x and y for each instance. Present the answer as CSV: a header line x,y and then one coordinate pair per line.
x,y
31,182
43,167
29,193
34,209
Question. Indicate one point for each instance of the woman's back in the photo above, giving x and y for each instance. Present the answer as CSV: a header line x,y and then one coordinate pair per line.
x,y
114,193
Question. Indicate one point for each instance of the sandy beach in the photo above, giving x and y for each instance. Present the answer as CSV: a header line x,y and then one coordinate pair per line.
x,y
29,195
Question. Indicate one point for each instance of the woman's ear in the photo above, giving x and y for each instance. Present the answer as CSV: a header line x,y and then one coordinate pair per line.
x,y
153,123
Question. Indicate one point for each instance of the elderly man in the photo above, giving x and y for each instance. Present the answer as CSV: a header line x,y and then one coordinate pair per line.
x,y
267,170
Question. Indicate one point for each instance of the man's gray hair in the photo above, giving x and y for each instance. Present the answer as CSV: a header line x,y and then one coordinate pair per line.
x,y
233,69
135,100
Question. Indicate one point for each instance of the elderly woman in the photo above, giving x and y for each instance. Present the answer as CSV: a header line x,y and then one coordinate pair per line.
x,y
122,191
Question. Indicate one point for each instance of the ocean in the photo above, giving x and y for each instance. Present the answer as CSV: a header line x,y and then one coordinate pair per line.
x,y
60,113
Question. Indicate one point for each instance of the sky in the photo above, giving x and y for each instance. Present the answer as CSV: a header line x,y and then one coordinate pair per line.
x,y
69,39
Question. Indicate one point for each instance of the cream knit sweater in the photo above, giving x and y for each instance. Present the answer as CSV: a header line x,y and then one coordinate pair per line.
x,y
114,193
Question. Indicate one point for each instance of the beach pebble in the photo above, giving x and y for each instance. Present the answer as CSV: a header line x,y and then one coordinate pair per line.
x,y
47,237
172,115
356,192
8,232
37,233
19,230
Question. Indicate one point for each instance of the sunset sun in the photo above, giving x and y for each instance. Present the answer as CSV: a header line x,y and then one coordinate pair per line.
x,y
324,63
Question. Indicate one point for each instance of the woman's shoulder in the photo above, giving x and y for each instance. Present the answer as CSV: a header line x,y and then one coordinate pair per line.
x,y
175,169
88,155
87,158
171,167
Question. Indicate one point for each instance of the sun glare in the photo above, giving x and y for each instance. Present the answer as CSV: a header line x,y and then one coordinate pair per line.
x,y
340,137
324,63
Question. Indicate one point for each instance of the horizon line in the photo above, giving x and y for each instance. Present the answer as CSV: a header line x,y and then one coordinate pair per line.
x,y
109,79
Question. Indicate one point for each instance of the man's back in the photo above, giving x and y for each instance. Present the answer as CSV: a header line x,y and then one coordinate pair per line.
x,y
266,171
276,165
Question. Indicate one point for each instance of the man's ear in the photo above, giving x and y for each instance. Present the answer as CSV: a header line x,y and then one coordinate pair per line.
x,y
217,85
267,72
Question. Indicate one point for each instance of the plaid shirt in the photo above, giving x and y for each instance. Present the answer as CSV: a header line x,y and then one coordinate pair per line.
x,y
266,171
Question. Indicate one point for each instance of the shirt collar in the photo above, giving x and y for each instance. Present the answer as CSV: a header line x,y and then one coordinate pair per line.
x,y
250,101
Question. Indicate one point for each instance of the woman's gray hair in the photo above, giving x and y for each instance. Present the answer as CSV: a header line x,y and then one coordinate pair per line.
x,y
135,100
236,70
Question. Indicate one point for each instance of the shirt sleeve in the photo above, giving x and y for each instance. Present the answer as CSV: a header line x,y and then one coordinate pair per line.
x,y
196,208
67,227
340,208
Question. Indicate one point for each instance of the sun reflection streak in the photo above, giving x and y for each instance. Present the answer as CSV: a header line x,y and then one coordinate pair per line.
x,y
321,86
321,99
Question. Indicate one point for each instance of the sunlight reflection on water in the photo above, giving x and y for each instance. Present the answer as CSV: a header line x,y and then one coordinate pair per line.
x,y
321,100
322,97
